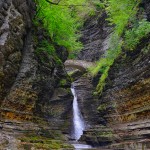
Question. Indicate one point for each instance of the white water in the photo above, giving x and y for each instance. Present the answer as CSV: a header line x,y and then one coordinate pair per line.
x,y
78,122
81,146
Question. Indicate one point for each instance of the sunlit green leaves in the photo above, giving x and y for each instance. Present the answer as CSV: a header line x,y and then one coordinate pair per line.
x,y
60,25
62,21
120,11
134,35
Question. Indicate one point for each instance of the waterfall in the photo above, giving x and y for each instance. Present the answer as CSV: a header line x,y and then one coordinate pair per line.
x,y
78,122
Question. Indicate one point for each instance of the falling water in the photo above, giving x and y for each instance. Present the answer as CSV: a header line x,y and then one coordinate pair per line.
x,y
78,122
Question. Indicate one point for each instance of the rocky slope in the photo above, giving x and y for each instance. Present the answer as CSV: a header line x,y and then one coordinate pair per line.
x,y
35,96
127,97
34,86
95,37
124,105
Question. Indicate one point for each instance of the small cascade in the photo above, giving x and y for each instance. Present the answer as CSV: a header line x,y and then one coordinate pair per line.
x,y
78,121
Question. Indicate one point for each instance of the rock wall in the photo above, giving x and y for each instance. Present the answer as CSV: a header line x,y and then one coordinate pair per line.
x,y
28,78
127,96
124,105
34,86
95,37
87,102
13,27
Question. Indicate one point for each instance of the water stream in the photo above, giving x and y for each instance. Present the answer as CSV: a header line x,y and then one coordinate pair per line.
x,y
78,124
78,121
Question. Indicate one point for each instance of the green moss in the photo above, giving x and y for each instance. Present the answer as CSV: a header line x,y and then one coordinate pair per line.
x,y
134,35
40,142
57,60
45,46
95,93
102,107
103,66
120,13
1,75
63,82
146,49
107,134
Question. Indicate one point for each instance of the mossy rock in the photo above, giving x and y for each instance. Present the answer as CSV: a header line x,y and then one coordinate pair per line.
x,y
40,142
102,107
62,82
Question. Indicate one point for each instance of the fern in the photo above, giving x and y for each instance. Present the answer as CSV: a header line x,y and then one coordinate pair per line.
x,y
120,12
62,21
133,36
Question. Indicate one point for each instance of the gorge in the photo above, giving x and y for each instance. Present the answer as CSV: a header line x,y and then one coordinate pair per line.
x,y
100,49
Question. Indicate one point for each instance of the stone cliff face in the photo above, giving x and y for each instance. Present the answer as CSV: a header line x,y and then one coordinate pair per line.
x,y
127,97
13,28
95,37
35,96
34,86
87,102
124,106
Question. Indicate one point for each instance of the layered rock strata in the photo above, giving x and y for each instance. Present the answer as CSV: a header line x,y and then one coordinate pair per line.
x,y
124,105
95,37
34,86
127,97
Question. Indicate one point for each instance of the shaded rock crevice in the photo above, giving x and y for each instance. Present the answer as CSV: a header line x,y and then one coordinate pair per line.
x,y
95,37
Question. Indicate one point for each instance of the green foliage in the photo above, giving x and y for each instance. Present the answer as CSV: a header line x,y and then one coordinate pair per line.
x,y
120,12
102,107
45,46
104,64
41,142
99,5
59,24
133,36
72,55
62,21
146,49
63,82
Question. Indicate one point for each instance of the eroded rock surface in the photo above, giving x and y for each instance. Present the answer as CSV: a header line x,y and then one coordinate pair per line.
x,y
96,36
87,102
127,97
124,106
79,64
15,18
34,86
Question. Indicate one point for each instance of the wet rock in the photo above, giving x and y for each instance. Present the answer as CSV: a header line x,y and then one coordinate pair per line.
x,y
95,37
124,105
28,135
98,136
126,98
87,102
11,43
75,74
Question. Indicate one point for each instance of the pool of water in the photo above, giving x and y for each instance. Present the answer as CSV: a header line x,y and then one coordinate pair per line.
x,y
82,146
